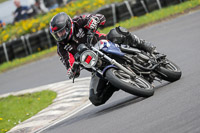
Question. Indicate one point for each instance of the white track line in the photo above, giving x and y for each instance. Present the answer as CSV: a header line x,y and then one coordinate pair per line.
x,y
68,116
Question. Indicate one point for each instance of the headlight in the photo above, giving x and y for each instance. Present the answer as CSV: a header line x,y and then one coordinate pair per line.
x,y
88,58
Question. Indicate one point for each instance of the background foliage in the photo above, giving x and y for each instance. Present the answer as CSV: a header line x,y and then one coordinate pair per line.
x,y
42,21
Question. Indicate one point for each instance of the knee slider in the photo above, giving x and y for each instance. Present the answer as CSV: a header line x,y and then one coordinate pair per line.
x,y
95,101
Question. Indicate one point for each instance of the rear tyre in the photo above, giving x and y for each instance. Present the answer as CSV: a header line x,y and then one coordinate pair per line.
x,y
169,72
137,86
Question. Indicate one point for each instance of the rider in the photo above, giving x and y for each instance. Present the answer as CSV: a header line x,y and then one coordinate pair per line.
x,y
69,33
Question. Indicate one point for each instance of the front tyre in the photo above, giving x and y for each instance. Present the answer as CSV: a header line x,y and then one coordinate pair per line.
x,y
137,86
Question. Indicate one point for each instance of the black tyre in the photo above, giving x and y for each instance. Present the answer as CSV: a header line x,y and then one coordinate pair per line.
x,y
169,72
137,86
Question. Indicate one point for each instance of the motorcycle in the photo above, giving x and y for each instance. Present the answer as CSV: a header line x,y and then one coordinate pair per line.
x,y
126,68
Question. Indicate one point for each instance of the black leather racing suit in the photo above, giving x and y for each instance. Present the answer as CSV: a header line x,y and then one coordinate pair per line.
x,y
66,48
100,89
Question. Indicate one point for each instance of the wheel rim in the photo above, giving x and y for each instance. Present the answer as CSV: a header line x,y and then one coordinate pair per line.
x,y
138,81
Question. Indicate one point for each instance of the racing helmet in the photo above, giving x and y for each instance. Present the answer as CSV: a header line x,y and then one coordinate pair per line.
x,y
61,27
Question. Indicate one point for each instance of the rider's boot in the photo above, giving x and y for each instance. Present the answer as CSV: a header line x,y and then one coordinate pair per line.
x,y
134,41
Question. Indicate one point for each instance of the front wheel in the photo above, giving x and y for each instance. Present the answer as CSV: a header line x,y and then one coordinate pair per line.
x,y
136,86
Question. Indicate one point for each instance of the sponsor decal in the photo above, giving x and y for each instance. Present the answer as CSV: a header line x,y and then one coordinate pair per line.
x,y
68,47
80,33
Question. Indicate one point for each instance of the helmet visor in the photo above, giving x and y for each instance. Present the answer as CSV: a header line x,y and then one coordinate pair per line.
x,y
61,34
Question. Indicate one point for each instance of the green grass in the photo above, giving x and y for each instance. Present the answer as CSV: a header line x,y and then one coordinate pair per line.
x,y
134,22
16,109
1,1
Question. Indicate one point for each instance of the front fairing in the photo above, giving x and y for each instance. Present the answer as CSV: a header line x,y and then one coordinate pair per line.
x,y
109,47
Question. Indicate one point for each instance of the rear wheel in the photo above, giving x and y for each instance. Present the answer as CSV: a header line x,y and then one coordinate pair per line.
x,y
169,71
136,86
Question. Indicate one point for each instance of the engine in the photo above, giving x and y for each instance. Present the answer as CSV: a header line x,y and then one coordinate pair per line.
x,y
142,59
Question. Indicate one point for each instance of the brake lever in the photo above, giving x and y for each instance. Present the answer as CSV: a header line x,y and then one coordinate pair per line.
x,y
74,77
74,70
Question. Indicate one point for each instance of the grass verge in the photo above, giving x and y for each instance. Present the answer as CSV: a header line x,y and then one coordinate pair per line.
x,y
1,1
16,109
131,24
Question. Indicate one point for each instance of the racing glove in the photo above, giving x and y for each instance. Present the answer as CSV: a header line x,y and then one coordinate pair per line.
x,y
70,73
73,72
93,23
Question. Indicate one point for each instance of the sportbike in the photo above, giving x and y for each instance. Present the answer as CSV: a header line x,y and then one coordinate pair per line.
x,y
127,68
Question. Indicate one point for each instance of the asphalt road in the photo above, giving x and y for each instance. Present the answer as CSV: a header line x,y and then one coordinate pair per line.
x,y
174,108
42,72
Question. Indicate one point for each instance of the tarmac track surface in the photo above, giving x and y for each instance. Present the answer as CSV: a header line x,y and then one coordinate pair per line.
x,y
173,108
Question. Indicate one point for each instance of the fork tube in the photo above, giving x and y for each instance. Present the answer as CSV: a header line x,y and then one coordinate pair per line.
x,y
132,74
102,54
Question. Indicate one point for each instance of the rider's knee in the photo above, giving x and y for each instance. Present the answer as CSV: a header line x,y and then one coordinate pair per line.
x,y
118,35
115,37
95,101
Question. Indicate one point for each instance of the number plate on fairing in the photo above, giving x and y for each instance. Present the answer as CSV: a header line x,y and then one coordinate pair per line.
x,y
88,58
